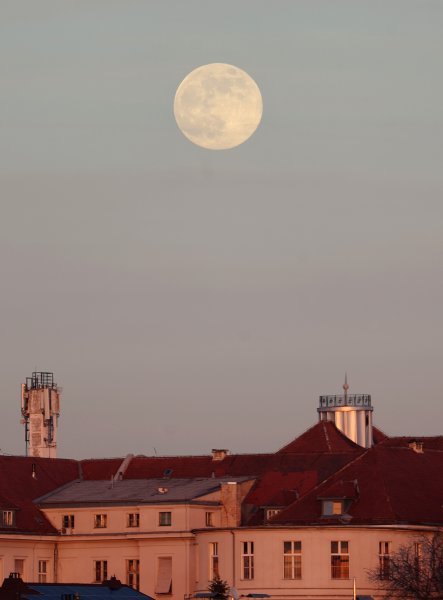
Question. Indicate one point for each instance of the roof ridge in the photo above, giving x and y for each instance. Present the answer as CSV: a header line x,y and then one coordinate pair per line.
x,y
298,436
39,499
415,437
328,442
324,436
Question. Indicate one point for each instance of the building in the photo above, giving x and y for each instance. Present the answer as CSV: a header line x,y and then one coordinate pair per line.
x,y
302,522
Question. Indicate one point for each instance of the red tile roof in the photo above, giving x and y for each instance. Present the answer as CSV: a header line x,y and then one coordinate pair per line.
x,y
280,477
378,435
275,488
181,466
322,437
395,486
19,488
100,468
391,483
429,443
340,490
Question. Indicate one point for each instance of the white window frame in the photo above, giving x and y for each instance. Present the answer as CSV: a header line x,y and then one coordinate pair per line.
x,y
292,559
214,563
100,521
68,521
133,573
133,519
384,559
342,554
247,558
418,555
271,512
8,518
23,567
332,508
100,571
43,570
209,519
165,518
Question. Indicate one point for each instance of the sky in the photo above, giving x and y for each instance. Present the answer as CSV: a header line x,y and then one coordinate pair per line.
x,y
189,299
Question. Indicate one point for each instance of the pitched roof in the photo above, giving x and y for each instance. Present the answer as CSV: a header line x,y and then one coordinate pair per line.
x,y
429,442
140,491
322,437
340,490
378,435
281,477
276,488
394,486
20,487
99,468
233,464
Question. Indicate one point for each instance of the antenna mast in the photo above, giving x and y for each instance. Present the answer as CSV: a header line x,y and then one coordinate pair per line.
x,y
40,406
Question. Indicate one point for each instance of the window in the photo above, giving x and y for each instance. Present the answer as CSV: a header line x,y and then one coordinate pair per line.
x,y
100,570
19,566
384,559
8,518
248,560
209,519
133,573
68,521
164,575
42,571
271,512
292,560
133,520
100,521
164,519
340,560
213,560
418,550
332,507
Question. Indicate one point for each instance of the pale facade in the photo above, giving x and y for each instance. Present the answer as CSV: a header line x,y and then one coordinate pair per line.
x,y
299,562
284,562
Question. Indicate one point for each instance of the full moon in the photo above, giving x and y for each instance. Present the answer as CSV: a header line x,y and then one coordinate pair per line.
x,y
218,106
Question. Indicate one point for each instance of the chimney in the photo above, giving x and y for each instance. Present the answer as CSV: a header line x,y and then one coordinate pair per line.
x,y
230,500
219,453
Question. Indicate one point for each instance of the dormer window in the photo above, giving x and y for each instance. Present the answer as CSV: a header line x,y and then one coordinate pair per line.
x,y
8,518
271,512
331,508
416,445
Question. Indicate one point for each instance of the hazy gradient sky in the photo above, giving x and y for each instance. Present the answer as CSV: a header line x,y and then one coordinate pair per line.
x,y
188,299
